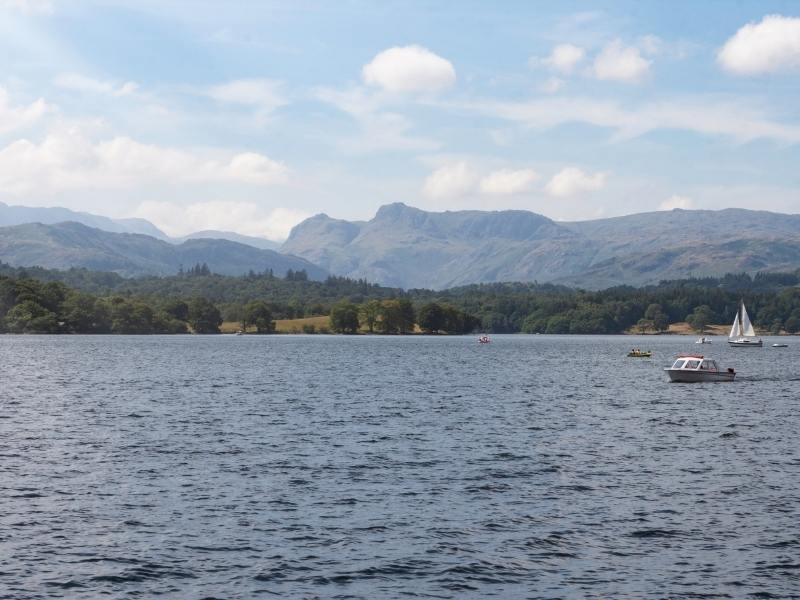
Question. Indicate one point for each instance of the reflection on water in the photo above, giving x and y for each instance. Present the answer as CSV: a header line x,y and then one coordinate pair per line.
x,y
534,466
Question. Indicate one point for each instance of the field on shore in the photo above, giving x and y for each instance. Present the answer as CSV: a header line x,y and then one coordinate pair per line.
x,y
682,328
320,324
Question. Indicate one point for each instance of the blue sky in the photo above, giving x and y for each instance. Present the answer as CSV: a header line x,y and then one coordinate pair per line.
x,y
250,116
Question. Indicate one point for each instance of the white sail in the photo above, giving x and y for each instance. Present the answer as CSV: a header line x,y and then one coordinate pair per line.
x,y
736,329
747,326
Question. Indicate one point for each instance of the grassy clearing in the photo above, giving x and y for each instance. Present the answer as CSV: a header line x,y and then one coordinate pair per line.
x,y
320,324
684,328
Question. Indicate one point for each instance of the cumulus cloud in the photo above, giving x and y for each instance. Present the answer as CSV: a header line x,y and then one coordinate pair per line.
x,y
81,83
17,117
676,202
409,69
449,181
571,181
617,62
508,181
563,59
70,161
264,94
766,47
247,218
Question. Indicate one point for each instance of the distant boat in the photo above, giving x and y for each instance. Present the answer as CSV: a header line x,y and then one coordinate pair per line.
x,y
635,353
695,368
703,340
780,345
484,339
742,334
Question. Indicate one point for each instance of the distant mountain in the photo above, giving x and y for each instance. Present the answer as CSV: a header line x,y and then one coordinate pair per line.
x,y
20,215
407,247
69,244
256,242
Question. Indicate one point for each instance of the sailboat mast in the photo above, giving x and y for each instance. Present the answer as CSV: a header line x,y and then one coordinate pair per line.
x,y
741,318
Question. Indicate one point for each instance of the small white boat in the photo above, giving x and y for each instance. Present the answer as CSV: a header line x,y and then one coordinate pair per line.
x,y
695,368
780,345
484,339
742,334
703,340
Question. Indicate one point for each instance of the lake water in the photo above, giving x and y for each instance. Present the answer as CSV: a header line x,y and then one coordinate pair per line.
x,y
371,467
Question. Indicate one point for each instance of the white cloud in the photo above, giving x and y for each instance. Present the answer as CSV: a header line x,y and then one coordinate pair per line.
x,y
708,116
264,94
409,69
380,129
17,117
618,62
247,218
81,83
676,202
508,181
28,7
552,85
571,181
68,160
563,59
651,44
766,47
449,181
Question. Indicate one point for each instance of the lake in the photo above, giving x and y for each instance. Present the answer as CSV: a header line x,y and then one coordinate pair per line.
x,y
388,467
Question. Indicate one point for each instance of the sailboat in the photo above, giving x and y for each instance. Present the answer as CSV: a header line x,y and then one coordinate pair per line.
x,y
742,333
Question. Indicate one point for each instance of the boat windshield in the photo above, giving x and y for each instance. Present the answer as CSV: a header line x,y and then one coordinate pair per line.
x,y
678,364
692,364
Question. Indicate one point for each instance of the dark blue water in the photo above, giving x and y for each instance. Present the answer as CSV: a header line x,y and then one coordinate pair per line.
x,y
334,467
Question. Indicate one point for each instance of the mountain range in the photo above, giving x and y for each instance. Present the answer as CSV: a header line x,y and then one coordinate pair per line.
x,y
71,244
21,215
407,247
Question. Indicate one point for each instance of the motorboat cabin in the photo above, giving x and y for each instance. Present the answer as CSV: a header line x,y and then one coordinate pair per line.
x,y
694,368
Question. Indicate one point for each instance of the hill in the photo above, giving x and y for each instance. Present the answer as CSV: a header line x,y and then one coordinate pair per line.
x,y
407,247
66,245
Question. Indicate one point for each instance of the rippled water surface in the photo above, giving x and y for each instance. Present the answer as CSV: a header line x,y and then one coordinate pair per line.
x,y
367,467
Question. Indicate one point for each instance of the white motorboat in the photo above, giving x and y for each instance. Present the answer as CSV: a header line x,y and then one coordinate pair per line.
x,y
703,340
780,345
742,334
695,368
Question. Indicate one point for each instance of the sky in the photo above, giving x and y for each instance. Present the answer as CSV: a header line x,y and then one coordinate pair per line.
x,y
251,116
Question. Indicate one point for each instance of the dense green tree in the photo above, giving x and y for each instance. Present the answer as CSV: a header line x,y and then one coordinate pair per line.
x,y
177,309
84,313
204,317
30,317
655,314
397,316
344,317
700,318
369,313
431,318
259,314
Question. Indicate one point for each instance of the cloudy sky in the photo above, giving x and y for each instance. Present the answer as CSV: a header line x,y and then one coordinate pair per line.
x,y
251,116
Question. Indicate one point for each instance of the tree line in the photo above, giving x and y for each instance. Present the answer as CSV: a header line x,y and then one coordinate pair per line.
x,y
78,300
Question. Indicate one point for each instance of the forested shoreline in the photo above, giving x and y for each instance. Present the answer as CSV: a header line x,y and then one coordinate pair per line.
x,y
35,300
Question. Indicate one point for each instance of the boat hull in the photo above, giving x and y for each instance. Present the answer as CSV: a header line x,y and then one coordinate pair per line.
x,y
745,343
686,376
